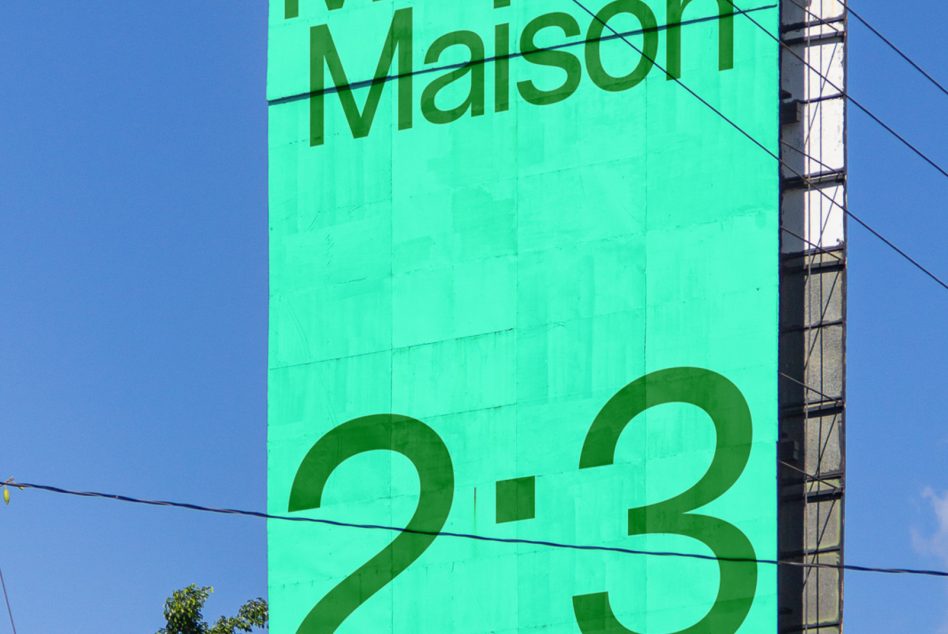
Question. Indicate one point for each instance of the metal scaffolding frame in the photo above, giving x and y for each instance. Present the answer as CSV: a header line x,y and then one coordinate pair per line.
x,y
812,386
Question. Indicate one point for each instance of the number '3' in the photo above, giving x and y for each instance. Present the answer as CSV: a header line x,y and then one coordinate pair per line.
x,y
728,410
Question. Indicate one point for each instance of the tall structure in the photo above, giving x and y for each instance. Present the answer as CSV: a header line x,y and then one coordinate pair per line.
x,y
533,279
812,313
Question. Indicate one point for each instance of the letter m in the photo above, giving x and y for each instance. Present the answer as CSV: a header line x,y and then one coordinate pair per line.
x,y
725,36
323,55
291,8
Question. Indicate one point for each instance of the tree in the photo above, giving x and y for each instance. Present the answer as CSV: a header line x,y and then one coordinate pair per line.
x,y
183,614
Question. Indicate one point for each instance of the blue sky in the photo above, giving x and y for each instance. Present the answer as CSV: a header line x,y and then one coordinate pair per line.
x,y
133,323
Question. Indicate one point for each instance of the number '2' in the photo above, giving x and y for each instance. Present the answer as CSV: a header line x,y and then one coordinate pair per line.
x,y
728,410
427,452
710,391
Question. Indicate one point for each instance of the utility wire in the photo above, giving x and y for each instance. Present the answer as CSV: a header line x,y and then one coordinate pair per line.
x,y
819,19
763,147
814,247
809,478
845,94
481,538
417,72
826,397
6,598
876,32
895,48
622,36
803,153
859,220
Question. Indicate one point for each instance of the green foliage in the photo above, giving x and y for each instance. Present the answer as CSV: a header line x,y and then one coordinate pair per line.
x,y
184,614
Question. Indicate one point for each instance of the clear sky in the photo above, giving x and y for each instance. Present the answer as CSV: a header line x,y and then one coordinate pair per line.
x,y
133,290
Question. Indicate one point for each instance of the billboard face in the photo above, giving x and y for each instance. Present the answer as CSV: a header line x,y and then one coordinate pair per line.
x,y
523,285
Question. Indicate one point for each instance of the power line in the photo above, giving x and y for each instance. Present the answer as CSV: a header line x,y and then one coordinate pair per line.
x,y
6,598
809,477
622,36
826,397
846,94
820,20
773,155
876,32
482,538
803,153
895,48
892,246
489,59
814,247
862,223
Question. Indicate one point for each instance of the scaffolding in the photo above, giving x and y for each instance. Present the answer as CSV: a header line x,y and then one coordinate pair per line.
x,y
811,470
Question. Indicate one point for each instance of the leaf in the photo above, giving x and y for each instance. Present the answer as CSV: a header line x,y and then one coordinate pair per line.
x,y
6,495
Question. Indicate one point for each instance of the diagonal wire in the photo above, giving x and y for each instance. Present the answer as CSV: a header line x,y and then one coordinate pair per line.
x,y
803,153
895,48
809,477
905,255
622,36
829,213
819,19
6,598
882,37
365,83
829,399
849,97
815,248
878,34
773,155
816,111
481,538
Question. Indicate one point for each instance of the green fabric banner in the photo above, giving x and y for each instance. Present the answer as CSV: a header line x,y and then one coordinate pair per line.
x,y
523,285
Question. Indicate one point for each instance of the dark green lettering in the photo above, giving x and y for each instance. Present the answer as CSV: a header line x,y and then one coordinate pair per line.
x,y
594,45
725,405
474,67
725,36
558,59
501,62
291,8
323,54
502,67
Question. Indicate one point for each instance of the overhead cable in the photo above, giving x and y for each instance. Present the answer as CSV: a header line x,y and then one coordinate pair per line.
x,y
6,598
814,247
859,221
480,538
622,36
489,59
882,37
878,34
846,94
809,477
895,48
819,19
763,147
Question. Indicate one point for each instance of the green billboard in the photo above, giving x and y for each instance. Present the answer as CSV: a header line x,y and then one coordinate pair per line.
x,y
523,286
